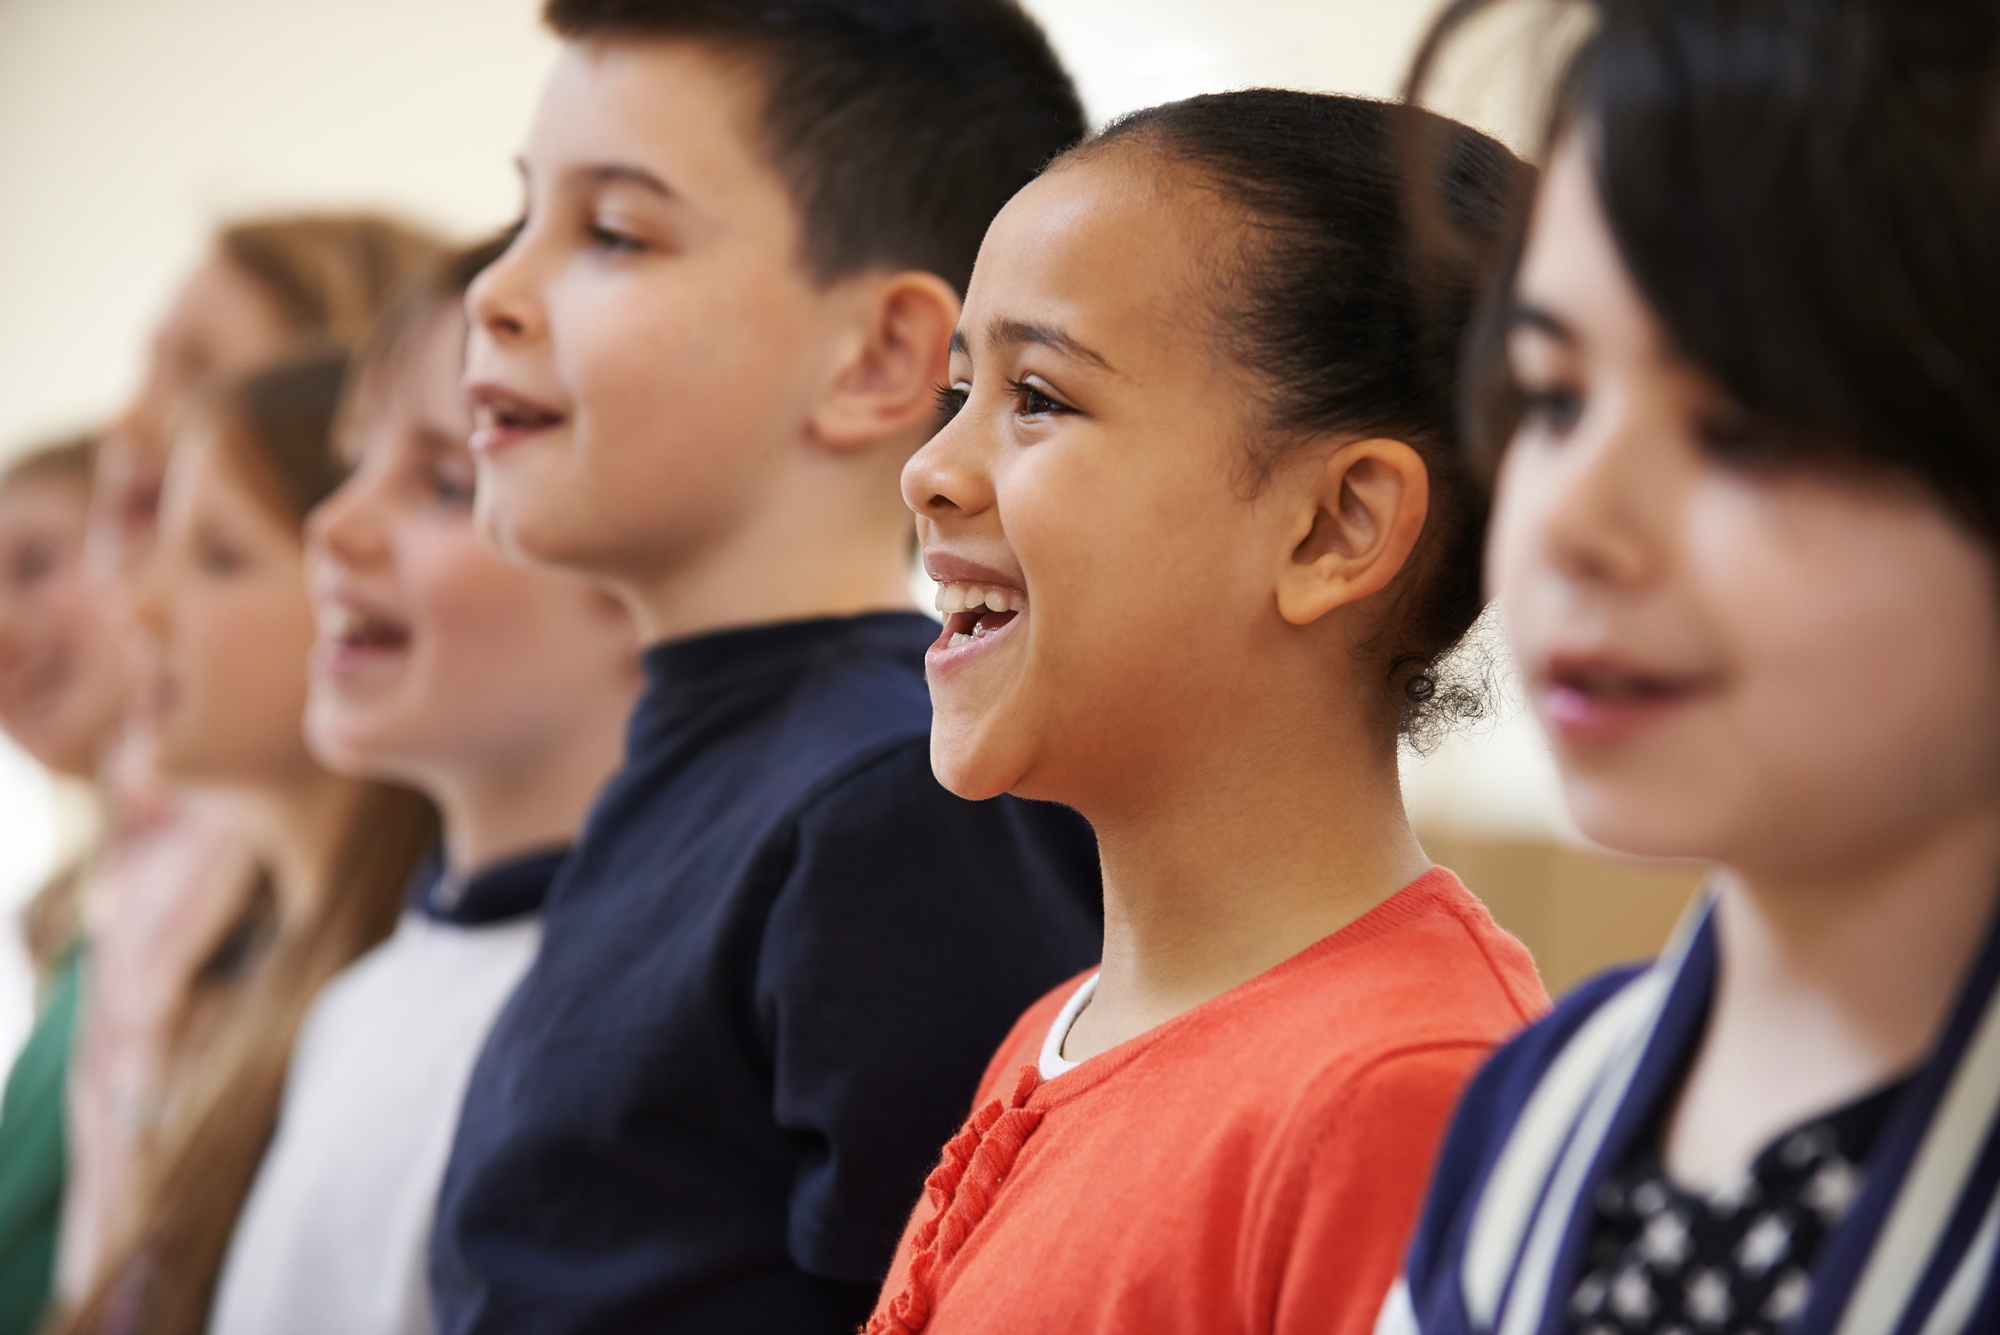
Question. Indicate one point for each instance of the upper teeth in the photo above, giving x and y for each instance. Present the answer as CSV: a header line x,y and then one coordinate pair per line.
x,y
338,621
972,597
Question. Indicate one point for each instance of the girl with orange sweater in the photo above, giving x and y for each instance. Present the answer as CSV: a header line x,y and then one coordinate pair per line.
x,y
1204,547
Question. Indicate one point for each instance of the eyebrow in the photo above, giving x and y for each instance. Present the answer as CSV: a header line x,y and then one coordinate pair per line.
x,y
1522,315
1007,333
612,173
624,173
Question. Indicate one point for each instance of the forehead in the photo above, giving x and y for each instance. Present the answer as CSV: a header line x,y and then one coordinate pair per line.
x,y
1571,267
42,501
1109,249
685,112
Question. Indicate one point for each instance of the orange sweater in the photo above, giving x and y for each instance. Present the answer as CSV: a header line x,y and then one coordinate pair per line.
x,y
1252,1165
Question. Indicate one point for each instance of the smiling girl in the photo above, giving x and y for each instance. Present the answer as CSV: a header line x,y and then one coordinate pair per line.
x,y
1745,372
226,609
501,691
1203,547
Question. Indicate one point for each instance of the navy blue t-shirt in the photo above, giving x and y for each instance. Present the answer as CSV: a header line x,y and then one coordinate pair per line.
x,y
771,975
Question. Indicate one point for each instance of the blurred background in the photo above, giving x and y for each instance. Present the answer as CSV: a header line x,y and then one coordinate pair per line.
x,y
129,128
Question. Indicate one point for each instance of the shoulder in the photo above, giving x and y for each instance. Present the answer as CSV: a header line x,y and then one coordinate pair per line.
x,y
1425,971
1486,1114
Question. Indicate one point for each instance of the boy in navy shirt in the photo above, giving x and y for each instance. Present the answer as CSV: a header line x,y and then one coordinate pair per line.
x,y
696,375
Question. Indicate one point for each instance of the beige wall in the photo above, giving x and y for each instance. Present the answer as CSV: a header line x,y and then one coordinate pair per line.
x,y
129,127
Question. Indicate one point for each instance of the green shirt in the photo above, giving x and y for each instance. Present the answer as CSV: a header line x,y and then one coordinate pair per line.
x,y
31,1155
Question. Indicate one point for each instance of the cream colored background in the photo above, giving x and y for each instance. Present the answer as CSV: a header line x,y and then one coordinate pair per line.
x,y
128,128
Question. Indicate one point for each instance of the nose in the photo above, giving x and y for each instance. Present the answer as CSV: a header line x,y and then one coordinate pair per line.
x,y
948,477
1603,505
146,604
504,301
346,526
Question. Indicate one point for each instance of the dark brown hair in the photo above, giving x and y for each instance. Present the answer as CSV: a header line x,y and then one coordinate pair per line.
x,y
276,427
1807,195
900,126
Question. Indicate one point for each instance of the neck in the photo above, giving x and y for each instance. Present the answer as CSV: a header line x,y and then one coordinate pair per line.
x,y
1234,857
498,813
297,830
1831,981
833,539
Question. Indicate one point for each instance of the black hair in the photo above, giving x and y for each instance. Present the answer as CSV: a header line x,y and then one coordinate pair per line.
x,y
1320,298
900,126
1804,193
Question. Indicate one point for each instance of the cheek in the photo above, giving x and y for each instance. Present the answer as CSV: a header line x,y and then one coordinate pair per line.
x,y
1867,643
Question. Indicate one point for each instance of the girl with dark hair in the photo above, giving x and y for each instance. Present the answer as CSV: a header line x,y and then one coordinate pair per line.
x,y
226,609
1205,546
1744,379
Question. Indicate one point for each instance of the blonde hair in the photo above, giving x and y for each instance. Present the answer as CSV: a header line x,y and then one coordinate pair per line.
x,y
277,425
330,274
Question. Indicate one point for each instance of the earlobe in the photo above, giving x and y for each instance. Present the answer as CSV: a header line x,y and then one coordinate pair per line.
x,y
1358,522
889,371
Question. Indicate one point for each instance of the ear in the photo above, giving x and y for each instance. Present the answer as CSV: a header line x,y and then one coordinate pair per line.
x,y
1357,522
897,355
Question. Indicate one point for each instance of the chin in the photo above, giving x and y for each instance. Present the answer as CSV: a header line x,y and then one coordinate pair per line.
x,y
968,769
1637,824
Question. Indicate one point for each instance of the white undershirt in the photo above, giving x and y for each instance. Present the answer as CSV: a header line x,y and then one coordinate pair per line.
x,y
1053,1063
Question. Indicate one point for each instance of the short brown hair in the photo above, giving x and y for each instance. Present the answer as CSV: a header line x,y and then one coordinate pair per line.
x,y
903,125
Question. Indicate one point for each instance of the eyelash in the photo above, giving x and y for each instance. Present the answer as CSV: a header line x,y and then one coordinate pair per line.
x,y
606,239
950,399
1551,408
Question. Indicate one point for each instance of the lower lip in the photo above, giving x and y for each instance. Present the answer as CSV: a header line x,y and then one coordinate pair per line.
x,y
491,440
942,657
1578,719
346,660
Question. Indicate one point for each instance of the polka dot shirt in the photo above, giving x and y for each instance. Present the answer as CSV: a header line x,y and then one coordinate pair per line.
x,y
1666,1261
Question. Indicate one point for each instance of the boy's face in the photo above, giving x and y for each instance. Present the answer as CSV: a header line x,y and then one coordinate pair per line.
x,y
647,352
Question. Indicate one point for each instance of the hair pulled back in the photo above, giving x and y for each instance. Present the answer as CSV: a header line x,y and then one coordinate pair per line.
x,y
1807,195
1321,299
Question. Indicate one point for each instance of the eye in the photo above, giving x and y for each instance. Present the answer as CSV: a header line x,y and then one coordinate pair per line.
x,y
455,487
1731,436
215,556
1551,409
1032,401
950,398
35,563
616,242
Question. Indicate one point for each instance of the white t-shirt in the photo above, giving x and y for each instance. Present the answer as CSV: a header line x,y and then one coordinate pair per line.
x,y
335,1236
1052,1062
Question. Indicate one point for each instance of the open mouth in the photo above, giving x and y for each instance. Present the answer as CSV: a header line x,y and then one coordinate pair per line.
x,y
500,418
1587,701
351,629
975,611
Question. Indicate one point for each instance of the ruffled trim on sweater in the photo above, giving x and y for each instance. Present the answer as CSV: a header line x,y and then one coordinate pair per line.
x,y
960,1190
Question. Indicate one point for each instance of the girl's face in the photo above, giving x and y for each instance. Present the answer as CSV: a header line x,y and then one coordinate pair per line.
x,y
1083,509
436,659
224,607
62,670
221,323
1767,668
